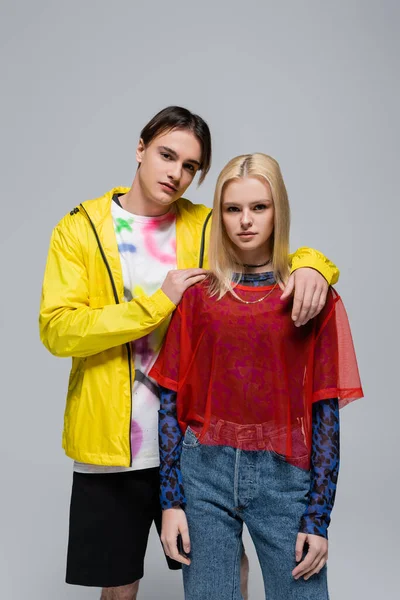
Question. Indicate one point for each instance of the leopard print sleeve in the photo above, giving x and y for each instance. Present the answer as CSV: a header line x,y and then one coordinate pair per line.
x,y
325,454
170,441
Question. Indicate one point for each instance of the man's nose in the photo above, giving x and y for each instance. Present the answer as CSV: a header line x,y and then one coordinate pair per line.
x,y
175,171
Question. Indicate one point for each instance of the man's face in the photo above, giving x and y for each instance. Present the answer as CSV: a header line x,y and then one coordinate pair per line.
x,y
168,165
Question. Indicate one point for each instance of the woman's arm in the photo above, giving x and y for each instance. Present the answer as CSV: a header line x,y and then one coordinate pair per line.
x,y
170,439
325,455
324,474
172,496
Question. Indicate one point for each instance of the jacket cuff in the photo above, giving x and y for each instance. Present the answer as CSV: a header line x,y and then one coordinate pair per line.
x,y
313,262
161,303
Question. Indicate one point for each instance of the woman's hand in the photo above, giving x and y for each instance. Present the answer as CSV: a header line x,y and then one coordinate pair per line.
x,y
310,290
174,523
316,557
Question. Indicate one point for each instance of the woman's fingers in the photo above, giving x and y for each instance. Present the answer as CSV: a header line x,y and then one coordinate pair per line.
x,y
316,556
316,569
306,564
185,539
300,541
174,524
171,550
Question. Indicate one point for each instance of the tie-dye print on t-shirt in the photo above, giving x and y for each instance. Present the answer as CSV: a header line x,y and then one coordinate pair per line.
x,y
147,250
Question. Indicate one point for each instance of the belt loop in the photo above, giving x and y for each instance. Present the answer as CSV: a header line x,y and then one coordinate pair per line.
x,y
260,437
217,430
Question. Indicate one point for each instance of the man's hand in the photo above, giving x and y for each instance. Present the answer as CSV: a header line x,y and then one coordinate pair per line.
x,y
316,556
178,281
310,290
174,523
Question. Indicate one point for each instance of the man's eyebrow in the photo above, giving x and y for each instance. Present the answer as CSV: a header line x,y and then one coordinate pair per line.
x,y
175,155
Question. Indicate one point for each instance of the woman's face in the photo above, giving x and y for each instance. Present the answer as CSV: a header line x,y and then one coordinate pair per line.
x,y
248,216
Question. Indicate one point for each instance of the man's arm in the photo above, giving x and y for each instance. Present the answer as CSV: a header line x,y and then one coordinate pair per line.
x,y
69,326
311,275
308,257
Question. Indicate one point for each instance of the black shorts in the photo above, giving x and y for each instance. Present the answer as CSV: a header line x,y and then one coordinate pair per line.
x,y
110,519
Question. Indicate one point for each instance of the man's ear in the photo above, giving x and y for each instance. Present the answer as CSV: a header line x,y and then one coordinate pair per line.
x,y
139,151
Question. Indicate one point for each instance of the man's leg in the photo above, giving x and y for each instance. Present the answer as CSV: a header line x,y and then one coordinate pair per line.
x,y
124,592
111,516
244,575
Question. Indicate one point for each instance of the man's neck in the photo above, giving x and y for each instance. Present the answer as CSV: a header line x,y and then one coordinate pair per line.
x,y
136,203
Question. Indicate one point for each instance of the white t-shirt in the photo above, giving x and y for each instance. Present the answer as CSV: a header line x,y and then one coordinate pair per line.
x,y
147,250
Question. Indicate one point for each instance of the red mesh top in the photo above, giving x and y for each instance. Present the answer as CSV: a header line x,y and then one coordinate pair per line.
x,y
246,377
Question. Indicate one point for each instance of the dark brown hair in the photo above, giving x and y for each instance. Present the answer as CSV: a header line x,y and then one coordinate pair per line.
x,y
176,117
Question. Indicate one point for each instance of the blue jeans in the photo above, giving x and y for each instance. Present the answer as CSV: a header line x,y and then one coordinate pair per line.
x,y
225,488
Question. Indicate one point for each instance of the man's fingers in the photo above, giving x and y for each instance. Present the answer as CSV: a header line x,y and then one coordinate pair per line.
x,y
317,303
313,310
310,291
192,280
322,299
288,288
306,296
297,302
316,569
193,272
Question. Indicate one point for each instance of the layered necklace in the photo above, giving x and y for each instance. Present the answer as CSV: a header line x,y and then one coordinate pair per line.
x,y
253,301
263,297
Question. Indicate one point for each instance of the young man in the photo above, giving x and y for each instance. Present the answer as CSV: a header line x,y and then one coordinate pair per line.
x,y
117,267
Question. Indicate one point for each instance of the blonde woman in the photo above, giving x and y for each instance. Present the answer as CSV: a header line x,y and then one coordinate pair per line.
x,y
249,418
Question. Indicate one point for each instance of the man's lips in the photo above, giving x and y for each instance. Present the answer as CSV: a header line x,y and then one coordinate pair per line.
x,y
168,187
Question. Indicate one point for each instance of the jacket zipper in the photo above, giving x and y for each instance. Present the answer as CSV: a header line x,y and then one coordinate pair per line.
x,y
117,302
203,240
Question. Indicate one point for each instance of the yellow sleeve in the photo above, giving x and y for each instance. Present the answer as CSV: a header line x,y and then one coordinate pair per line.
x,y
308,257
69,326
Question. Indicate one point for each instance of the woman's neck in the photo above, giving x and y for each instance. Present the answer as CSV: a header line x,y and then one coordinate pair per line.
x,y
256,261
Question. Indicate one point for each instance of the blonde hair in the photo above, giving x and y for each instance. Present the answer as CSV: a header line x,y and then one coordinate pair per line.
x,y
223,258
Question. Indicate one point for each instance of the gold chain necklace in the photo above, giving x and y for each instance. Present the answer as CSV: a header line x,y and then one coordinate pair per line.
x,y
252,301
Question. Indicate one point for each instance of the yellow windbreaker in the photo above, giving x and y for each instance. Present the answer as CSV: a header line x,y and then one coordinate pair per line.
x,y
83,315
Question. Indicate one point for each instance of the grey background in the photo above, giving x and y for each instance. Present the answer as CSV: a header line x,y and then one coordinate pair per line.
x,y
315,84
